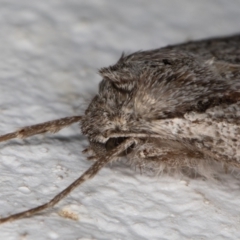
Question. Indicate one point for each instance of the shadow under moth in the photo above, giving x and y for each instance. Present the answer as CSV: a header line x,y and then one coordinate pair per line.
x,y
172,108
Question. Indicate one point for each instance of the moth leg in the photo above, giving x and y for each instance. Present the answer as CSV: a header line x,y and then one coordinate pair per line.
x,y
165,154
50,126
90,173
160,157
151,159
153,152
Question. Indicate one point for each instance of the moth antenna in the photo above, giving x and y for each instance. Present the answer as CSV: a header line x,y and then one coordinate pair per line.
x,y
90,173
50,126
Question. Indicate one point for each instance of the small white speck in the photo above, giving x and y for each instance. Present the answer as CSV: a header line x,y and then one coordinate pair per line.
x,y
24,189
53,235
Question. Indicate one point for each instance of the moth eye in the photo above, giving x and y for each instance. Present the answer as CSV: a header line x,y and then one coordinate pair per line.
x,y
113,142
166,62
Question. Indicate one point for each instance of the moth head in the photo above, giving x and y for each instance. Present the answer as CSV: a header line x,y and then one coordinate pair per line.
x,y
111,110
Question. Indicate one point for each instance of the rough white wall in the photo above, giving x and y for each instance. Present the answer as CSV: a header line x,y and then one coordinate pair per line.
x,y
50,53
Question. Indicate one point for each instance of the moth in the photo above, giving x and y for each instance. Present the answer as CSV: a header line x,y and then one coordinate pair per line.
x,y
172,108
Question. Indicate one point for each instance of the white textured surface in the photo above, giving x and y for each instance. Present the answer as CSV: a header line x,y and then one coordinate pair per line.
x,y
50,53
